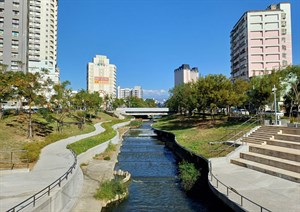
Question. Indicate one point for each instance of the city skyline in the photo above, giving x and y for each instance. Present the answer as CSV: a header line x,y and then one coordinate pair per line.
x,y
148,40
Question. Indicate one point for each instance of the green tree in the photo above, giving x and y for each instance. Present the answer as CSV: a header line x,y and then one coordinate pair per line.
x,y
61,101
118,103
238,94
30,87
260,92
150,103
291,82
6,87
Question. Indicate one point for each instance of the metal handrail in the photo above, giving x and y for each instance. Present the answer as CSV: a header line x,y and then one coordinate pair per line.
x,y
32,200
262,208
236,135
236,128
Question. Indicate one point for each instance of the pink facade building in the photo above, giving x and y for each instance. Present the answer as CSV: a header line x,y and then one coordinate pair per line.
x,y
261,41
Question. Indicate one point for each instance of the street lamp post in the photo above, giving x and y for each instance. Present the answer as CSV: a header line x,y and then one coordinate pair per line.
x,y
275,108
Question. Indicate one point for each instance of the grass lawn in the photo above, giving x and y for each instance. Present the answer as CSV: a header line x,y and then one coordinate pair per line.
x,y
87,143
195,133
13,133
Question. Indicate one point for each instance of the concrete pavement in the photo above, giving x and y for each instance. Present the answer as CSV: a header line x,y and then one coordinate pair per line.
x,y
273,193
54,161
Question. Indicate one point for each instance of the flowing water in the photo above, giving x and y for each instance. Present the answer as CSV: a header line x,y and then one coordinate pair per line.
x,y
154,185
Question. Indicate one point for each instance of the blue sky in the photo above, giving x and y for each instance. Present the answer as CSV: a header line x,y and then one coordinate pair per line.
x,y
148,39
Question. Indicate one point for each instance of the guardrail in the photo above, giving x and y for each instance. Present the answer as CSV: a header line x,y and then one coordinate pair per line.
x,y
47,190
241,197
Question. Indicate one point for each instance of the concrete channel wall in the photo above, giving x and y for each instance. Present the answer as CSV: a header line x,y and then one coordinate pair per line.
x,y
64,198
199,161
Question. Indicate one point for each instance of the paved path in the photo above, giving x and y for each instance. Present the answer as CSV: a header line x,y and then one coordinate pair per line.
x,y
274,193
54,161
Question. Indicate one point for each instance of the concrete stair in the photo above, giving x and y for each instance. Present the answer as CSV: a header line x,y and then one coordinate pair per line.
x,y
273,150
288,175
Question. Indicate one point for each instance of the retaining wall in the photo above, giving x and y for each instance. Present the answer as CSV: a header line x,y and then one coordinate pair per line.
x,y
202,185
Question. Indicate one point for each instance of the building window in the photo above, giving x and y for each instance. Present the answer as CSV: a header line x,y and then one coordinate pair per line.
x,y
15,42
14,67
283,40
15,34
283,55
15,46
16,3
1,42
14,55
284,63
15,25
1,54
1,32
283,31
15,12
283,47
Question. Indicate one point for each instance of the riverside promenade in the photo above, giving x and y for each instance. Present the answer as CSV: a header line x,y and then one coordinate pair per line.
x,y
54,161
273,193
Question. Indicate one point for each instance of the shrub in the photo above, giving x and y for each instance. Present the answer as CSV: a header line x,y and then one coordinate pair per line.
x,y
109,189
188,175
106,158
136,123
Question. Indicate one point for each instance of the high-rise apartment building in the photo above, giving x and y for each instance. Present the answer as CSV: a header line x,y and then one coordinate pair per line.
x,y
261,41
101,76
14,34
184,74
128,92
28,36
42,37
137,92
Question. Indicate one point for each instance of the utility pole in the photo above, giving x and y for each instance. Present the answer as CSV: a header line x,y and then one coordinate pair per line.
x,y
275,108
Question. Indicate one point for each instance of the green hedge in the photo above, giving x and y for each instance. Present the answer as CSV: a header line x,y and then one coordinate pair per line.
x,y
88,143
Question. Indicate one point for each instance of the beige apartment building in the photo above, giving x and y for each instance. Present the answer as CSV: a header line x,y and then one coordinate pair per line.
x,y
101,76
184,74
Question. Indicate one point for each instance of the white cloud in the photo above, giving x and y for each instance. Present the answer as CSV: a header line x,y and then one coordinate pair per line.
x,y
156,94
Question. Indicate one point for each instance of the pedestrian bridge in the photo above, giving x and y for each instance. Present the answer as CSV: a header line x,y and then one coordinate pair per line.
x,y
143,111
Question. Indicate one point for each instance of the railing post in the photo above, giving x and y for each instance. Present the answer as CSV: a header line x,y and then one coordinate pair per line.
x,y
59,182
34,201
49,190
241,200
227,191
217,183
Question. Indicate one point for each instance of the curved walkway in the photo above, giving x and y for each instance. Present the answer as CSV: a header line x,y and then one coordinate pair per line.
x,y
54,161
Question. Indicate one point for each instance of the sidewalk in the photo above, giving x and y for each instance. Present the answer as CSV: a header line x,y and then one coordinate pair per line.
x,y
54,161
273,193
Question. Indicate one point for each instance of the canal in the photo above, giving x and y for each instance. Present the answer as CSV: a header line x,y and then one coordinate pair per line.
x,y
154,185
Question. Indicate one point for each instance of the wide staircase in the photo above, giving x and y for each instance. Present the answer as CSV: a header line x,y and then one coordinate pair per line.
x,y
273,150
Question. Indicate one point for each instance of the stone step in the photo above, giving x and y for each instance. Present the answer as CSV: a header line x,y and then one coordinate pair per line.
x,y
276,151
287,144
289,175
266,134
272,161
288,137
255,140
293,131
262,135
